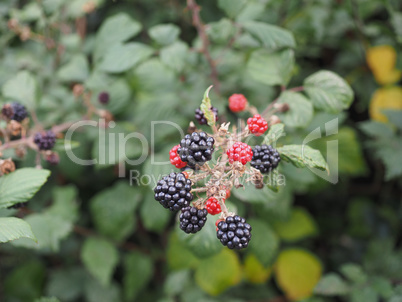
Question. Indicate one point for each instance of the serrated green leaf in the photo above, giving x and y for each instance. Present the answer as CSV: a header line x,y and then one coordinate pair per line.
x,y
21,185
274,133
303,156
264,242
206,108
174,55
217,273
115,29
270,36
23,88
138,272
271,68
300,111
331,285
100,258
12,228
113,210
328,91
164,34
76,70
232,7
64,203
299,226
122,57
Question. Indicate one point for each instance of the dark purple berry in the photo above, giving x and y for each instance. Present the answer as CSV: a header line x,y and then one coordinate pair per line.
x,y
174,191
192,219
265,158
104,98
200,117
7,111
20,112
45,140
196,149
234,232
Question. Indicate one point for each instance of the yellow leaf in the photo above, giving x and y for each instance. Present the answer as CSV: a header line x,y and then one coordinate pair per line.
x,y
297,272
254,271
385,98
382,60
219,272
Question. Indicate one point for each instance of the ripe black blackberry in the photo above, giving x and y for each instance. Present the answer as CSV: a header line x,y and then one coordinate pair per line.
x,y
196,148
103,98
192,219
199,115
45,140
173,191
265,158
20,112
234,232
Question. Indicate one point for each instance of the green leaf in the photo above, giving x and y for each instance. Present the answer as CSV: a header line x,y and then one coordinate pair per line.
x,y
303,156
376,129
153,215
13,228
232,7
299,226
217,273
270,36
96,292
64,203
114,30
354,273
174,55
164,34
203,243
21,185
47,299
122,57
300,111
389,152
67,283
274,133
100,258
264,243
206,108
382,286
331,285
365,294
23,88
271,68
76,70
328,91
395,117
113,210
49,231
178,255
176,282
138,272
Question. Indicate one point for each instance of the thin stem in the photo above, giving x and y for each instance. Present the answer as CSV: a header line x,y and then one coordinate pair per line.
x,y
204,189
197,22
296,89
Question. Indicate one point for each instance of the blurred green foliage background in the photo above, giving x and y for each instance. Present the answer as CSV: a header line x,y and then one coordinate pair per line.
x,y
100,239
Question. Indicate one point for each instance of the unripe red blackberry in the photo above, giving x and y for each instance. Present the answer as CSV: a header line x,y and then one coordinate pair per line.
x,y
257,125
45,140
234,232
20,112
192,219
196,149
212,206
240,152
174,191
200,117
237,102
104,98
175,158
265,158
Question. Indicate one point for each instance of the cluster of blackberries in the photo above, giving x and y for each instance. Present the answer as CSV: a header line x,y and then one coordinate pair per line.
x,y
174,191
265,158
234,232
45,140
200,117
15,111
196,149
192,219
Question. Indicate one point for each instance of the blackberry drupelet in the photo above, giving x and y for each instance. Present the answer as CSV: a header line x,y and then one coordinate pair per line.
x,y
234,232
192,219
173,191
45,140
20,112
265,158
199,115
196,148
